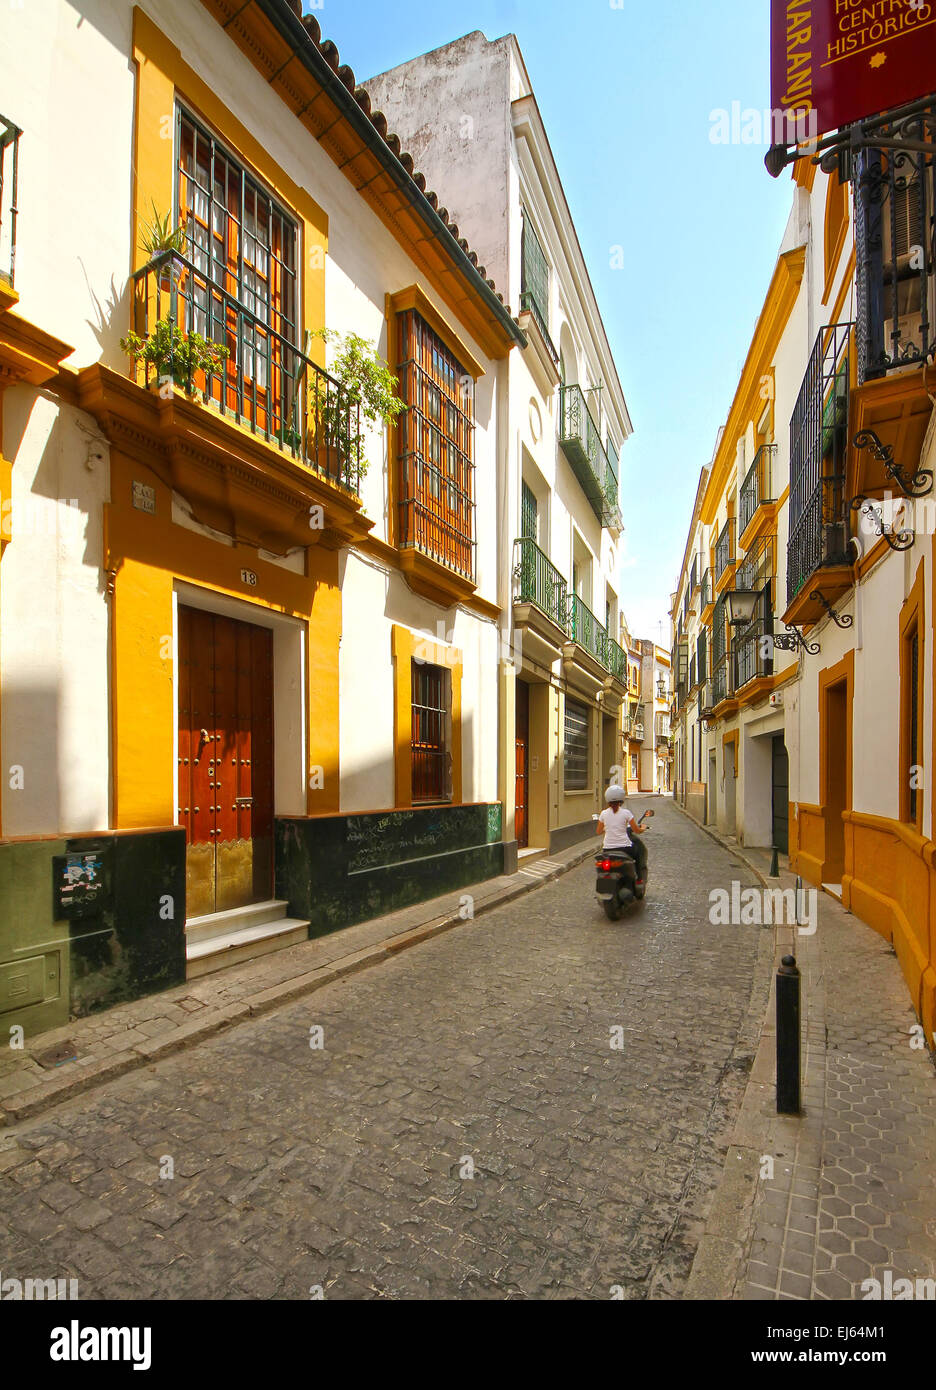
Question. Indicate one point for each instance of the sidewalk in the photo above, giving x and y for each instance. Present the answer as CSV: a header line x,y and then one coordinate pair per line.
x,y
852,1197
105,1045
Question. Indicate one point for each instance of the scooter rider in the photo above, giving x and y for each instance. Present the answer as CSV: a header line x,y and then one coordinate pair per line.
x,y
619,825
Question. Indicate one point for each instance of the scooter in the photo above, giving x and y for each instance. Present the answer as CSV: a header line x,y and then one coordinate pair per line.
x,y
617,885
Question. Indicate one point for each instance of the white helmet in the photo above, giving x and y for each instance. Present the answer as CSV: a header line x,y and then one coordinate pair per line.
x,y
615,793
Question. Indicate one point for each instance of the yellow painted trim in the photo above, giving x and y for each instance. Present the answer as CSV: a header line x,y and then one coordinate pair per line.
x,y
804,173
414,297
145,556
844,288
911,620
833,237
162,77
405,646
778,306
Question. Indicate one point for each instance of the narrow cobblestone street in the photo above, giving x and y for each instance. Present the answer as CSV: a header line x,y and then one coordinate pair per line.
x,y
346,1167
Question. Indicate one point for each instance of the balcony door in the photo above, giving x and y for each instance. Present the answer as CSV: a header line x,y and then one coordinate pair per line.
x,y
225,761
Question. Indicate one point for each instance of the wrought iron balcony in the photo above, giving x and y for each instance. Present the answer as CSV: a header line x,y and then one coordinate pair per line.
x,y
757,487
537,581
752,654
694,575
585,629
616,660
759,566
582,446
705,598
894,249
9,174
529,304
818,443
266,383
721,680
724,549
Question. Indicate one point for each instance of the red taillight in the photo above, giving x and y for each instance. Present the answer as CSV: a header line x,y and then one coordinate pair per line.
x,y
606,865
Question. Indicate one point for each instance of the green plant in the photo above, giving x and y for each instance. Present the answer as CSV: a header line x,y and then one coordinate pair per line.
x,y
159,236
175,354
366,382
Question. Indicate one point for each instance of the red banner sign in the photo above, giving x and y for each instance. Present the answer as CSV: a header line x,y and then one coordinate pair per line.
x,y
847,59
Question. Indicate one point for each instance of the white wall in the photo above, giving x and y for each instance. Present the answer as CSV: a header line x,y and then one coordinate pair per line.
x,y
54,621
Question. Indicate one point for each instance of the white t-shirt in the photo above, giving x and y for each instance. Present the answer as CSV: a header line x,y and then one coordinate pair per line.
x,y
616,825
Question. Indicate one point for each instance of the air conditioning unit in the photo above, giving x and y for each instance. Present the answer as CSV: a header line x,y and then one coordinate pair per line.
x,y
776,700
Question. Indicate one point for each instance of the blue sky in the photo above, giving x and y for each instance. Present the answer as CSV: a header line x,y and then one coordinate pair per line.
x,y
626,94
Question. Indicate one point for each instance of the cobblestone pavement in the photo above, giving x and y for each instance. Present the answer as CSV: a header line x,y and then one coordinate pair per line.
x,y
346,1167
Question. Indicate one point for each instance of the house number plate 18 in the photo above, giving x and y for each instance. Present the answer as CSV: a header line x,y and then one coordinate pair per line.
x,y
248,577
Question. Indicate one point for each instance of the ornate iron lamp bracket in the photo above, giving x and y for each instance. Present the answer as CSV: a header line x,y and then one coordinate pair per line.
x,y
917,485
897,540
793,640
840,619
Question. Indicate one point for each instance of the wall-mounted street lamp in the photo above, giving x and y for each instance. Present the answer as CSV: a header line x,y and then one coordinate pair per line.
x,y
741,605
661,688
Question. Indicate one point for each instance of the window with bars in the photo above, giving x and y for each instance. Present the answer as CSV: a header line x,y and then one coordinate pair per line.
x,y
575,767
431,733
528,518
435,447
239,285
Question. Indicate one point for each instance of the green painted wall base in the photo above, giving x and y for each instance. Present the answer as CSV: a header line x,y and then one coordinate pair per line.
x,y
337,870
54,968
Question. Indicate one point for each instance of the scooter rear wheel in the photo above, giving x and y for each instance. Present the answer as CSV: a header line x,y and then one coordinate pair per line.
x,y
612,910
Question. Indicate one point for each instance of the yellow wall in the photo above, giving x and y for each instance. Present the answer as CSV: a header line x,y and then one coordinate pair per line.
x,y
147,554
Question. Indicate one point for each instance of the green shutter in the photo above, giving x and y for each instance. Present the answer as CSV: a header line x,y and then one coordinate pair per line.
x,y
527,513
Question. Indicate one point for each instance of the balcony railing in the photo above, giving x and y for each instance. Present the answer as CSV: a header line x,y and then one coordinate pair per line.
x,y
724,549
637,733
818,443
752,653
615,659
266,383
705,597
757,487
530,305
694,575
721,680
537,581
585,629
894,246
582,446
759,566
9,176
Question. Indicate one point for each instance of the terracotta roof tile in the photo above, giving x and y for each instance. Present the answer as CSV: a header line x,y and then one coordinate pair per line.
x,y
329,52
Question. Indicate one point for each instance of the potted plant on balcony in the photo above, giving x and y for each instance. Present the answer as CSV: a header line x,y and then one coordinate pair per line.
x,y
162,242
367,394
175,355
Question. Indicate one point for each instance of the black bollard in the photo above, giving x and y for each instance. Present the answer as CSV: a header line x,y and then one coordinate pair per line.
x,y
788,1037
774,863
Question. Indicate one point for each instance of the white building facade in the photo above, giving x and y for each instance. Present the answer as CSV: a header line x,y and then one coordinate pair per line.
x,y
469,115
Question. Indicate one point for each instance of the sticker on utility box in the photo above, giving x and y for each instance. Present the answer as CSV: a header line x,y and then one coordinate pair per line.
x,y
79,884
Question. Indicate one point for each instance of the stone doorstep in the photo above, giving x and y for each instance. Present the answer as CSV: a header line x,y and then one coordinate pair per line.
x,y
127,1047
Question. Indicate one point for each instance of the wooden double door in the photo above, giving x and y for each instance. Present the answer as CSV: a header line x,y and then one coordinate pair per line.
x,y
225,760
